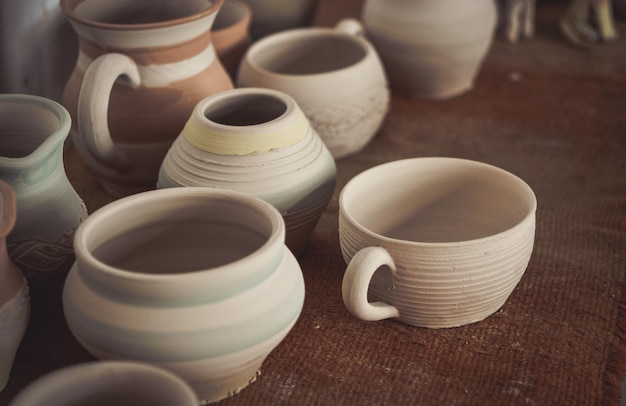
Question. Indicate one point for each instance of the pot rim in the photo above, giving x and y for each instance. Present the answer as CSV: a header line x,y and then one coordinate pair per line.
x,y
297,34
68,7
95,267
55,139
524,223
284,130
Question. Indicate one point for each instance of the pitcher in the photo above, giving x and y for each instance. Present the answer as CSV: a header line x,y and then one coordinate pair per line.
x,y
33,130
142,66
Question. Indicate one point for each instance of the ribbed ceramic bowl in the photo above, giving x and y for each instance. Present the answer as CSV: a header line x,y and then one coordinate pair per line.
x,y
453,238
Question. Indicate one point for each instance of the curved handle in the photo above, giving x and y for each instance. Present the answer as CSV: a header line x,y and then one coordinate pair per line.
x,y
356,282
350,26
93,104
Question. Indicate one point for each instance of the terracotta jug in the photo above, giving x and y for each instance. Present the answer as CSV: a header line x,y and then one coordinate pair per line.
x,y
431,49
141,68
14,300
33,131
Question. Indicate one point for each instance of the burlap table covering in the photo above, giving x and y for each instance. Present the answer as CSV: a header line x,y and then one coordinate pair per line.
x,y
554,115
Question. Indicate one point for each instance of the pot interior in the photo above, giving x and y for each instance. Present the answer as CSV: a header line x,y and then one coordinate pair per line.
x,y
182,236
131,12
309,54
440,203
24,127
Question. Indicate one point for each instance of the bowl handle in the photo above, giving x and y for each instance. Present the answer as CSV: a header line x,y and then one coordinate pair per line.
x,y
356,282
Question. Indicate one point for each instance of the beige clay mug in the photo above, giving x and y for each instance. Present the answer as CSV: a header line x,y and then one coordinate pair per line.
x,y
435,242
335,76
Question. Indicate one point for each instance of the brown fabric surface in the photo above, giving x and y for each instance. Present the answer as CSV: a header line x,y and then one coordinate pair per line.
x,y
559,339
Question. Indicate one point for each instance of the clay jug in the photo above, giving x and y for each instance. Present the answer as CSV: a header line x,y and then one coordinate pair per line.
x,y
33,130
14,300
431,49
141,68
256,141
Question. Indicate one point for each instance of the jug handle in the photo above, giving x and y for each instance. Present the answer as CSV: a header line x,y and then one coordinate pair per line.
x,y
350,26
93,104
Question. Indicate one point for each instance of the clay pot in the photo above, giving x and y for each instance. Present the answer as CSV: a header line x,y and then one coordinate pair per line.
x,y
334,74
194,280
14,300
431,49
33,130
138,75
256,141
107,383
231,34
450,239
270,16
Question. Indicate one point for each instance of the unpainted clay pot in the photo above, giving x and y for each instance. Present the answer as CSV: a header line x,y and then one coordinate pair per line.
x,y
256,141
334,74
431,49
141,68
195,280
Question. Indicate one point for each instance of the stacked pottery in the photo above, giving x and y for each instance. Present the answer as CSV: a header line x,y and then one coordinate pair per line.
x,y
230,34
142,66
14,300
334,74
256,141
431,49
194,280
32,134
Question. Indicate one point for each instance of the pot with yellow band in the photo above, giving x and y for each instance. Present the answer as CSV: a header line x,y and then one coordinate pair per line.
x,y
259,142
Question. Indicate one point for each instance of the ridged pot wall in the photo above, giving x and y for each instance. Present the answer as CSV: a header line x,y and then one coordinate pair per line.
x,y
256,141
